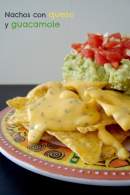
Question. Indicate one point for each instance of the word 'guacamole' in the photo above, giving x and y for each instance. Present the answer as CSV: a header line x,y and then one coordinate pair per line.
x,y
36,24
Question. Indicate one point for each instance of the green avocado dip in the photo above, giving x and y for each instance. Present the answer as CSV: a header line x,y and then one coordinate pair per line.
x,y
77,67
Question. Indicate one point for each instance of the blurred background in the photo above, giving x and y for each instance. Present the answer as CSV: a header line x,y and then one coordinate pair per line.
x,y
32,56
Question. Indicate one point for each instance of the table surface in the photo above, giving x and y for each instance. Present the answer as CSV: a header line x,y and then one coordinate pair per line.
x,y
16,180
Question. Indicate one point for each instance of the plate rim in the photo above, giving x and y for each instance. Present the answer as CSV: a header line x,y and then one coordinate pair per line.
x,y
88,181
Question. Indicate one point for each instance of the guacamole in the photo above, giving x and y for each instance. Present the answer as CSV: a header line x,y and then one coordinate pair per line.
x,y
77,67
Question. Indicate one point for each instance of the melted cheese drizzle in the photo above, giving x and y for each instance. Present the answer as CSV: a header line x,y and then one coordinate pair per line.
x,y
59,110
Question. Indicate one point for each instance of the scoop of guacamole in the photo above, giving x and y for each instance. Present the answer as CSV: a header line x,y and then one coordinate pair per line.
x,y
76,67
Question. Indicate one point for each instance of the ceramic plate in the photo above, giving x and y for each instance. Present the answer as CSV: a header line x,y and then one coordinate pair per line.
x,y
52,159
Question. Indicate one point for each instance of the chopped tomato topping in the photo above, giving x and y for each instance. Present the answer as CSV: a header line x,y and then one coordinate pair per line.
x,y
100,59
115,65
111,44
95,40
113,56
111,49
115,35
88,53
76,46
126,43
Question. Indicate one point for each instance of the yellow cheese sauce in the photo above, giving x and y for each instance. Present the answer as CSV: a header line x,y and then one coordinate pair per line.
x,y
61,110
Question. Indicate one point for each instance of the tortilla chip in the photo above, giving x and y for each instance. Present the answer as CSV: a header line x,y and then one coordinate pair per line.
x,y
87,146
114,104
81,86
17,103
107,152
108,139
20,115
77,85
41,90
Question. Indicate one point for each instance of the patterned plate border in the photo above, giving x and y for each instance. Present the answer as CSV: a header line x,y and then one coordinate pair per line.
x,y
58,171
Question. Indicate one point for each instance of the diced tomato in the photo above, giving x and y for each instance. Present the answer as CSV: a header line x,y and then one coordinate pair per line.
x,y
76,46
118,50
88,53
100,59
95,40
115,35
110,44
115,64
126,43
113,56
